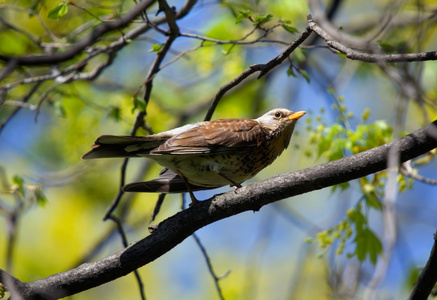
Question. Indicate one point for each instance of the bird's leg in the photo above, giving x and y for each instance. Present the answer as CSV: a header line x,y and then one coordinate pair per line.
x,y
190,191
235,185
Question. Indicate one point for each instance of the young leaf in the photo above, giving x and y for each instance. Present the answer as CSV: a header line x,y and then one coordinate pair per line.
x,y
368,244
156,48
243,15
114,113
58,11
290,72
305,75
290,29
139,104
41,199
260,19
386,47
18,184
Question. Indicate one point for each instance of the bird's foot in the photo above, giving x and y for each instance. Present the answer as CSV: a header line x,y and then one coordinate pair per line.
x,y
194,201
236,187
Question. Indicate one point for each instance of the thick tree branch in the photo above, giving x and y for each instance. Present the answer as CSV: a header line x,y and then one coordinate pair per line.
x,y
428,277
175,229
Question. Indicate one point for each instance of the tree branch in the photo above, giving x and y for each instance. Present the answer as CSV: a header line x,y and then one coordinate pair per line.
x,y
428,277
175,229
368,57
262,68
101,29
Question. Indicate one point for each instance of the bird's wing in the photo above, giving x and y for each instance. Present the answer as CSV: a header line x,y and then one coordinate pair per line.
x,y
226,135
130,146
123,146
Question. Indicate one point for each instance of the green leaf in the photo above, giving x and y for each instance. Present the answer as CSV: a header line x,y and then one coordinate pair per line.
x,y
41,199
156,48
18,182
413,276
58,11
59,109
355,216
324,146
243,15
342,186
305,75
290,72
260,19
115,113
368,245
290,29
386,47
139,104
366,114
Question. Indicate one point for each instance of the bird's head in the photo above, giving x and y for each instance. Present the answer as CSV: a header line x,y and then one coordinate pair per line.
x,y
280,122
280,118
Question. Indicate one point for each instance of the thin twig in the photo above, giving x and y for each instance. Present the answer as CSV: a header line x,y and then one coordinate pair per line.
x,y
114,204
262,68
210,267
125,243
407,170
368,57
98,31
17,109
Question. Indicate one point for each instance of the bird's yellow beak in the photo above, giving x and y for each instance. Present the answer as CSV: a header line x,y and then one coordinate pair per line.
x,y
297,115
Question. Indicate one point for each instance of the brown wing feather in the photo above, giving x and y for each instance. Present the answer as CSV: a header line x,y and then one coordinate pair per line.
x,y
107,146
215,136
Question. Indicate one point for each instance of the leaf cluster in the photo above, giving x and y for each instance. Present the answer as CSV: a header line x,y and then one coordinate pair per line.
x,y
340,140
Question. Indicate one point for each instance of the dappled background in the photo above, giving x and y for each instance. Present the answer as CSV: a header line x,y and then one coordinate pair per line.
x,y
52,204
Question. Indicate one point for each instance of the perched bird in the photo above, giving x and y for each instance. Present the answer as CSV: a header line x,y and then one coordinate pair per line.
x,y
205,155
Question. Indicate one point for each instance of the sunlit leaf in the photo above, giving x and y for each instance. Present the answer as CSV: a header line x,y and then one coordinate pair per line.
x,y
58,11
260,19
290,29
243,15
367,245
18,184
139,104
156,48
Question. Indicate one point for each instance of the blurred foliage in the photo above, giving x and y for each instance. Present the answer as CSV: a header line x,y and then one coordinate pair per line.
x,y
338,141
58,201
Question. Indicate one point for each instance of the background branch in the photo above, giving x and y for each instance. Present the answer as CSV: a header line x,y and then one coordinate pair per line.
x,y
368,57
35,60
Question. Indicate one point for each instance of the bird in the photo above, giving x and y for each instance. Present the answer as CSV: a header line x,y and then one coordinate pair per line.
x,y
204,155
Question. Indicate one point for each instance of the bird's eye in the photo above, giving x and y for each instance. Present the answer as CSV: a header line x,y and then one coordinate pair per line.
x,y
278,115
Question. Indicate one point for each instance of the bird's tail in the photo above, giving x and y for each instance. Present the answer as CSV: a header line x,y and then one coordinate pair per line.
x,y
107,146
167,182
